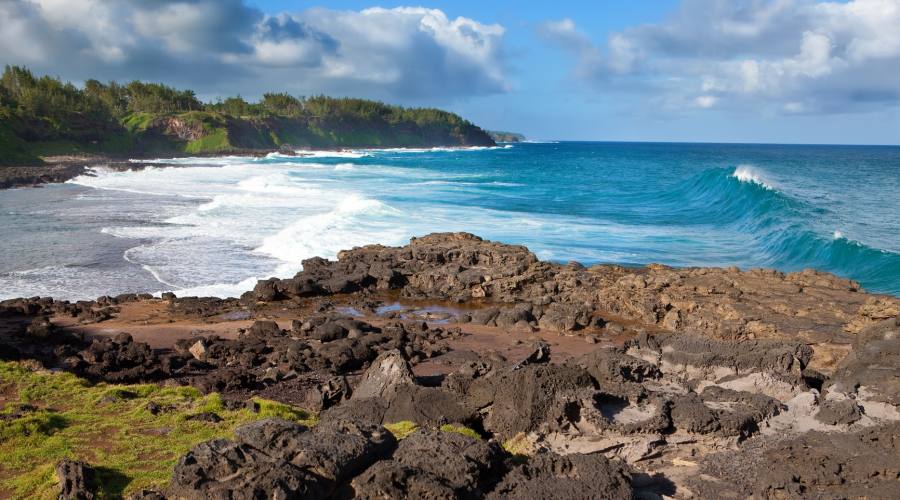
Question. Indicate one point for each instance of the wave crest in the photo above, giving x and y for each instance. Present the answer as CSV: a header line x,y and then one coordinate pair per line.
x,y
749,173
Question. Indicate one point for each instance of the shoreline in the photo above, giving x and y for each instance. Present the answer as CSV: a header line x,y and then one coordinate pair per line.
x,y
62,168
666,381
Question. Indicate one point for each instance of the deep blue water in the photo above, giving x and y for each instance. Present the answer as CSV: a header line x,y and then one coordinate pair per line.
x,y
215,227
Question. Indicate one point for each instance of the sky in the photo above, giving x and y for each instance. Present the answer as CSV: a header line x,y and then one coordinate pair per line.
x,y
763,71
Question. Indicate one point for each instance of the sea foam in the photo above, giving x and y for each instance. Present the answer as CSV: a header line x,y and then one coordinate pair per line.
x,y
749,173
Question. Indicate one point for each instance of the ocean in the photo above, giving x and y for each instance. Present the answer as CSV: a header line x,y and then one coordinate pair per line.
x,y
218,226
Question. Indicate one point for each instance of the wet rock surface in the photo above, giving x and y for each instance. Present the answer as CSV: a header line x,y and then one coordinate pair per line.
x,y
693,384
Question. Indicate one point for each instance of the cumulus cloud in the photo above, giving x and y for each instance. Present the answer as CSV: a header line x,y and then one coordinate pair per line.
x,y
224,47
792,56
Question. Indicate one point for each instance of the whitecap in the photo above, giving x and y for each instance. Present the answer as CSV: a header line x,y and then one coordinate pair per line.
x,y
749,173
332,154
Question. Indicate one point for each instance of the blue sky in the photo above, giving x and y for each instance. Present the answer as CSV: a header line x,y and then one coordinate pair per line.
x,y
789,71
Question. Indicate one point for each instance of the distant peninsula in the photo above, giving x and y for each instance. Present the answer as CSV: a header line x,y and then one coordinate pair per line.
x,y
499,136
43,117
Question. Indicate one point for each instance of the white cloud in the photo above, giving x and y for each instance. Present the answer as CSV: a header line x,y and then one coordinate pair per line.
x,y
706,101
793,56
225,46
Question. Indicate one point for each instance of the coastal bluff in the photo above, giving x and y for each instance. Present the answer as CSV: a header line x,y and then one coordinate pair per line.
x,y
456,367
43,117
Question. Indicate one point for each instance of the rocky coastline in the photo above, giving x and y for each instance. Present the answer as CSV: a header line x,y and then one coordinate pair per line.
x,y
513,377
59,169
63,168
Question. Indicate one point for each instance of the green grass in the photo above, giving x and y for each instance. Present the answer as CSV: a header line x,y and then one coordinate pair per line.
x,y
138,122
402,429
215,141
461,429
274,409
107,426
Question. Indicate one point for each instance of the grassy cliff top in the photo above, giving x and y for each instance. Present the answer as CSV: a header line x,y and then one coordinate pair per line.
x,y
41,116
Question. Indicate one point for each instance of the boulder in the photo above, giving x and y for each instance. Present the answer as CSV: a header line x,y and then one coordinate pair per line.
x,y
76,480
554,477
226,469
434,464
562,317
387,373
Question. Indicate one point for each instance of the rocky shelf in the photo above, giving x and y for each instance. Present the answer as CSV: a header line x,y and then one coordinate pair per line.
x,y
455,367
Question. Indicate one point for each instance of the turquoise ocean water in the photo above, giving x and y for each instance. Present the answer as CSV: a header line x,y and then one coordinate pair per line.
x,y
214,228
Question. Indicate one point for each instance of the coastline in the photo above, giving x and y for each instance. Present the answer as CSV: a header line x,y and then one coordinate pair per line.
x,y
62,168
678,376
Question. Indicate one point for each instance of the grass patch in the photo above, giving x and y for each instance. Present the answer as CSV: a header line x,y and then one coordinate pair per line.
x,y
138,122
519,446
214,142
110,427
402,429
461,429
274,409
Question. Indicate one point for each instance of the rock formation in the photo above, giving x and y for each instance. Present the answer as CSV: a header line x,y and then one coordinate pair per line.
x,y
693,382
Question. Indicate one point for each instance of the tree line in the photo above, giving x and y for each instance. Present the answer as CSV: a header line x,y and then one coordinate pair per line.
x,y
46,108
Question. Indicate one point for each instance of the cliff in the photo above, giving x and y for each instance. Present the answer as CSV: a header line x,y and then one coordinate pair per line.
x,y
42,116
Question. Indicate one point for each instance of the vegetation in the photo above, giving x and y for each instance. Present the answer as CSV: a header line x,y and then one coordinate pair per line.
x,y
43,116
402,429
461,429
45,417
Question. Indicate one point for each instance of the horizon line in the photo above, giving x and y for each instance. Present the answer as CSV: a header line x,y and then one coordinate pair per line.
x,y
725,143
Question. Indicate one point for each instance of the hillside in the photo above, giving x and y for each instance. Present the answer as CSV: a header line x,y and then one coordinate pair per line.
x,y
42,116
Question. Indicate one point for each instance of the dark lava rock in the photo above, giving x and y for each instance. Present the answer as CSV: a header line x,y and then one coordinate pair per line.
x,y
205,416
146,495
462,462
268,290
264,328
560,317
862,464
690,413
155,408
390,479
277,459
225,469
340,450
519,400
426,406
434,464
76,480
611,366
41,328
365,410
121,359
553,477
